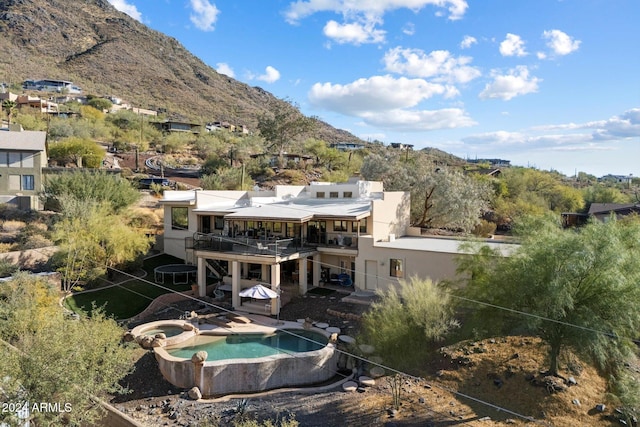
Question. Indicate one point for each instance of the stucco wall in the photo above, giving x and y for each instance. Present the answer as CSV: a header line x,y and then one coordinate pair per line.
x,y
424,264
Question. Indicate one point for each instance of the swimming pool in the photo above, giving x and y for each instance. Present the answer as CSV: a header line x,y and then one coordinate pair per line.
x,y
250,346
257,358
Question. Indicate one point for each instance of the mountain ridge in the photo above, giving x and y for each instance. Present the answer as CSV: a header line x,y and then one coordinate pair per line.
x,y
106,52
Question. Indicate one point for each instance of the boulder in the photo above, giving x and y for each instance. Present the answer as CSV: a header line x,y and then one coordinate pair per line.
x,y
194,393
199,357
350,386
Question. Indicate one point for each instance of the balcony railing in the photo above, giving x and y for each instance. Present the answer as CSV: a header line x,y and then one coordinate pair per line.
x,y
246,245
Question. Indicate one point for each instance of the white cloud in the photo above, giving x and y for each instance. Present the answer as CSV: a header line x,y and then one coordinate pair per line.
x,y
205,14
224,68
560,43
438,64
420,120
409,29
271,75
467,42
512,45
385,101
506,86
541,55
377,93
592,136
375,9
354,33
129,9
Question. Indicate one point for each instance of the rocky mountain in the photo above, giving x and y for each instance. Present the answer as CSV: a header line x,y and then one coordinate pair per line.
x,y
106,52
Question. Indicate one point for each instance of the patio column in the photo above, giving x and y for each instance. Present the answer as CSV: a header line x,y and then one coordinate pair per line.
x,y
264,273
202,277
275,285
317,270
302,277
235,284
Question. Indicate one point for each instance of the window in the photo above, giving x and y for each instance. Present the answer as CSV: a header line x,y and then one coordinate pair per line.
x,y
179,218
219,222
333,195
347,194
339,225
395,268
3,158
28,182
361,226
14,160
320,195
277,227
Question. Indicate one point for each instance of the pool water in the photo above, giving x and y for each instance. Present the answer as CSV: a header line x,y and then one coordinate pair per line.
x,y
169,331
248,346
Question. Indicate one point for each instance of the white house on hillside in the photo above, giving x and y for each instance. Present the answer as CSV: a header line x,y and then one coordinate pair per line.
x,y
353,232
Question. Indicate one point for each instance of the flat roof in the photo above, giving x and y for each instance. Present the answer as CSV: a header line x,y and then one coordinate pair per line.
x,y
304,210
434,244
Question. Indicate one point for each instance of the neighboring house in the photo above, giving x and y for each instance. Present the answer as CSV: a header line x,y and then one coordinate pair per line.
x,y
347,146
329,232
176,126
51,85
400,146
495,163
620,179
37,104
22,157
603,211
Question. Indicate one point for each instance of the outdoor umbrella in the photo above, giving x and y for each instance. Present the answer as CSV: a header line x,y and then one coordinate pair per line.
x,y
260,291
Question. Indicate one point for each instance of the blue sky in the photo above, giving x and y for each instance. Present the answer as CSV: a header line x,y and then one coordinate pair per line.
x,y
553,84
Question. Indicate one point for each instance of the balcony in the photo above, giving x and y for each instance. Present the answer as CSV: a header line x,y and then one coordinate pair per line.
x,y
247,245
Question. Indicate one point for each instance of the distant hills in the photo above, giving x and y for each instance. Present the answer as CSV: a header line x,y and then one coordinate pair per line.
x,y
106,52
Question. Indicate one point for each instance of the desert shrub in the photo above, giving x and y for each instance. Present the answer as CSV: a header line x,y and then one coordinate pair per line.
x,y
484,229
5,247
7,268
34,241
419,312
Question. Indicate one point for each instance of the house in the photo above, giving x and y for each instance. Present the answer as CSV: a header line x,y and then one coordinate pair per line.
x,y
177,126
51,85
620,179
603,211
22,157
347,146
352,232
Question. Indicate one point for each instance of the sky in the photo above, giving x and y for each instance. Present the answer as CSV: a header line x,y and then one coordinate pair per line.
x,y
550,84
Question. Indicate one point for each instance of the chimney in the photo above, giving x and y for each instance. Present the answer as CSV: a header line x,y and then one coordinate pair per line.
x,y
15,127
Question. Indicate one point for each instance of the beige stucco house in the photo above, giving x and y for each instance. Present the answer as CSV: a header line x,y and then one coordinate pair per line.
x,y
22,157
350,233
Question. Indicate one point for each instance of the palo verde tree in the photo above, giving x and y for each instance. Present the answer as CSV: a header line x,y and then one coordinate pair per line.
x,y
419,312
84,185
576,289
283,124
49,358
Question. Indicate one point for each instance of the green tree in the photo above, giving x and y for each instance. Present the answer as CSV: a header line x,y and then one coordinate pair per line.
x,y
91,187
92,239
81,152
448,199
284,124
100,104
579,288
420,312
49,358
10,107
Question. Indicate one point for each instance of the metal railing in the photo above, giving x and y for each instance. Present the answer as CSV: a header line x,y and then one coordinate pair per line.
x,y
245,245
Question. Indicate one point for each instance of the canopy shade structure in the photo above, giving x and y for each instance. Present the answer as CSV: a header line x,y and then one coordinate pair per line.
x,y
259,291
